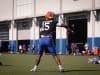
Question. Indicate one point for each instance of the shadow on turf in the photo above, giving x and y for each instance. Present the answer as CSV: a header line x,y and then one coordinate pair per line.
x,y
6,65
65,71
80,70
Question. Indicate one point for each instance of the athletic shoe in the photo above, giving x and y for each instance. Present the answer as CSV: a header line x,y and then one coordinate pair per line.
x,y
61,69
34,69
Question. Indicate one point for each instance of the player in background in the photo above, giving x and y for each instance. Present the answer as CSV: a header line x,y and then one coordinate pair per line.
x,y
47,33
96,58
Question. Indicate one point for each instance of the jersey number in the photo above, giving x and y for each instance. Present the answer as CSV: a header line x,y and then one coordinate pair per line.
x,y
45,26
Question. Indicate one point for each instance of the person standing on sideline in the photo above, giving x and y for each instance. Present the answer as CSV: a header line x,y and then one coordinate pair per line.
x,y
20,48
47,32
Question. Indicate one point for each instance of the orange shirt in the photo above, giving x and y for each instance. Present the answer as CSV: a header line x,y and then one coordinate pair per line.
x,y
96,51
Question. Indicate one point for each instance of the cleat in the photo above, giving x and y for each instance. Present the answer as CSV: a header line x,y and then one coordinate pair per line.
x,y
34,69
62,70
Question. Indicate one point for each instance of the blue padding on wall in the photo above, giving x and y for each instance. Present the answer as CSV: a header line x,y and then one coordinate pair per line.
x,y
57,45
96,42
89,41
31,46
35,43
12,46
64,46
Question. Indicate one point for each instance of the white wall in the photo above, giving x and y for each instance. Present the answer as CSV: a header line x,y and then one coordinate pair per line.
x,y
94,30
97,4
5,9
23,34
89,28
76,5
24,8
34,31
12,32
42,6
97,25
60,33
97,29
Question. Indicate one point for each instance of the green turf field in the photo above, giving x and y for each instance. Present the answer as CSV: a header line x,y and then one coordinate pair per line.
x,y
20,64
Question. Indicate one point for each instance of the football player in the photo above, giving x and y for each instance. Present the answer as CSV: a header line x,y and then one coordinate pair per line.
x,y
47,38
